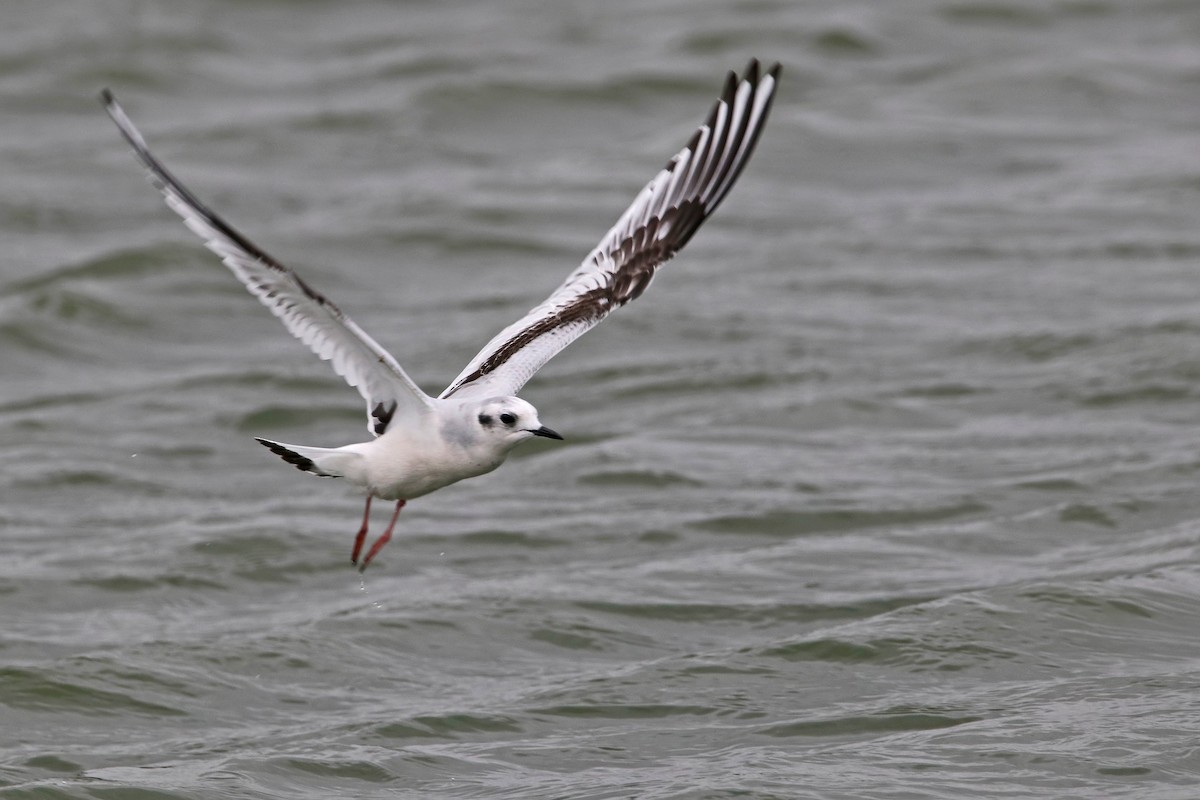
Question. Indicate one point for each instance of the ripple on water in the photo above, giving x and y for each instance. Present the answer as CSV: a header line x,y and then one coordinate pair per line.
x,y
342,770
32,690
646,478
788,523
139,583
623,711
448,726
912,653
765,613
891,720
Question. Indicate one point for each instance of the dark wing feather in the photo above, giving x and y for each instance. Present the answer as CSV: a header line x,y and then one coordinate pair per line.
x,y
662,219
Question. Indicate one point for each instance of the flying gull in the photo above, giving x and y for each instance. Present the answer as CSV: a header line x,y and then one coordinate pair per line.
x,y
422,443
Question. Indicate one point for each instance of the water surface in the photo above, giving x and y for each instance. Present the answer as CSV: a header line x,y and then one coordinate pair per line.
x,y
886,489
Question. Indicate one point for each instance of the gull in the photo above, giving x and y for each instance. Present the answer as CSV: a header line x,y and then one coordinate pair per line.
x,y
423,443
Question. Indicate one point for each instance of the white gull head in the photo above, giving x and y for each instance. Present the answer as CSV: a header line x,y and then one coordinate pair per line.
x,y
505,422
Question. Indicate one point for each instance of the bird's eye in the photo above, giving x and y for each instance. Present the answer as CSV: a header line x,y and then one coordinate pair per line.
x,y
507,419
485,420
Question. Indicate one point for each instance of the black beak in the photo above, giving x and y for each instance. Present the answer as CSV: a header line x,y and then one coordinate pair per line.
x,y
544,431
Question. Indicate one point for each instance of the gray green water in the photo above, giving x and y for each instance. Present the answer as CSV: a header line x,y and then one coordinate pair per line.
x,y
886,489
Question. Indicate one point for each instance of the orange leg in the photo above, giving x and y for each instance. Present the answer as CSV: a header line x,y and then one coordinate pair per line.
x,y
362,533
382,540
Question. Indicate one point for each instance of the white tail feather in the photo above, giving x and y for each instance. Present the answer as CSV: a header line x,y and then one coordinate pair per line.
x,y
324,461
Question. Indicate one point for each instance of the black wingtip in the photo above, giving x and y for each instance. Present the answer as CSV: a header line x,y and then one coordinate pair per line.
x,y
727,91
751,71
106,96
754,70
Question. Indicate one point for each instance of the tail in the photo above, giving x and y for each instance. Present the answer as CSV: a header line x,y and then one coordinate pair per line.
x,y
324,461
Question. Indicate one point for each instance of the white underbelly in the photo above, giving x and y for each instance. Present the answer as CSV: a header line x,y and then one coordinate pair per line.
x,y
397,470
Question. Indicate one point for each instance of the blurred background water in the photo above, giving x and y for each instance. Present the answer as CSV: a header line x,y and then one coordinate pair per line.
x,y
886,489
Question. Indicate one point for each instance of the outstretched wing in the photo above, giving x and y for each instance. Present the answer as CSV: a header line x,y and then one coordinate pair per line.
x,y
662,219
309,316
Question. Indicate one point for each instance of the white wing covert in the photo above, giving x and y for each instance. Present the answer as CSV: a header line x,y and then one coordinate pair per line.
x,y
307,314
661,220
